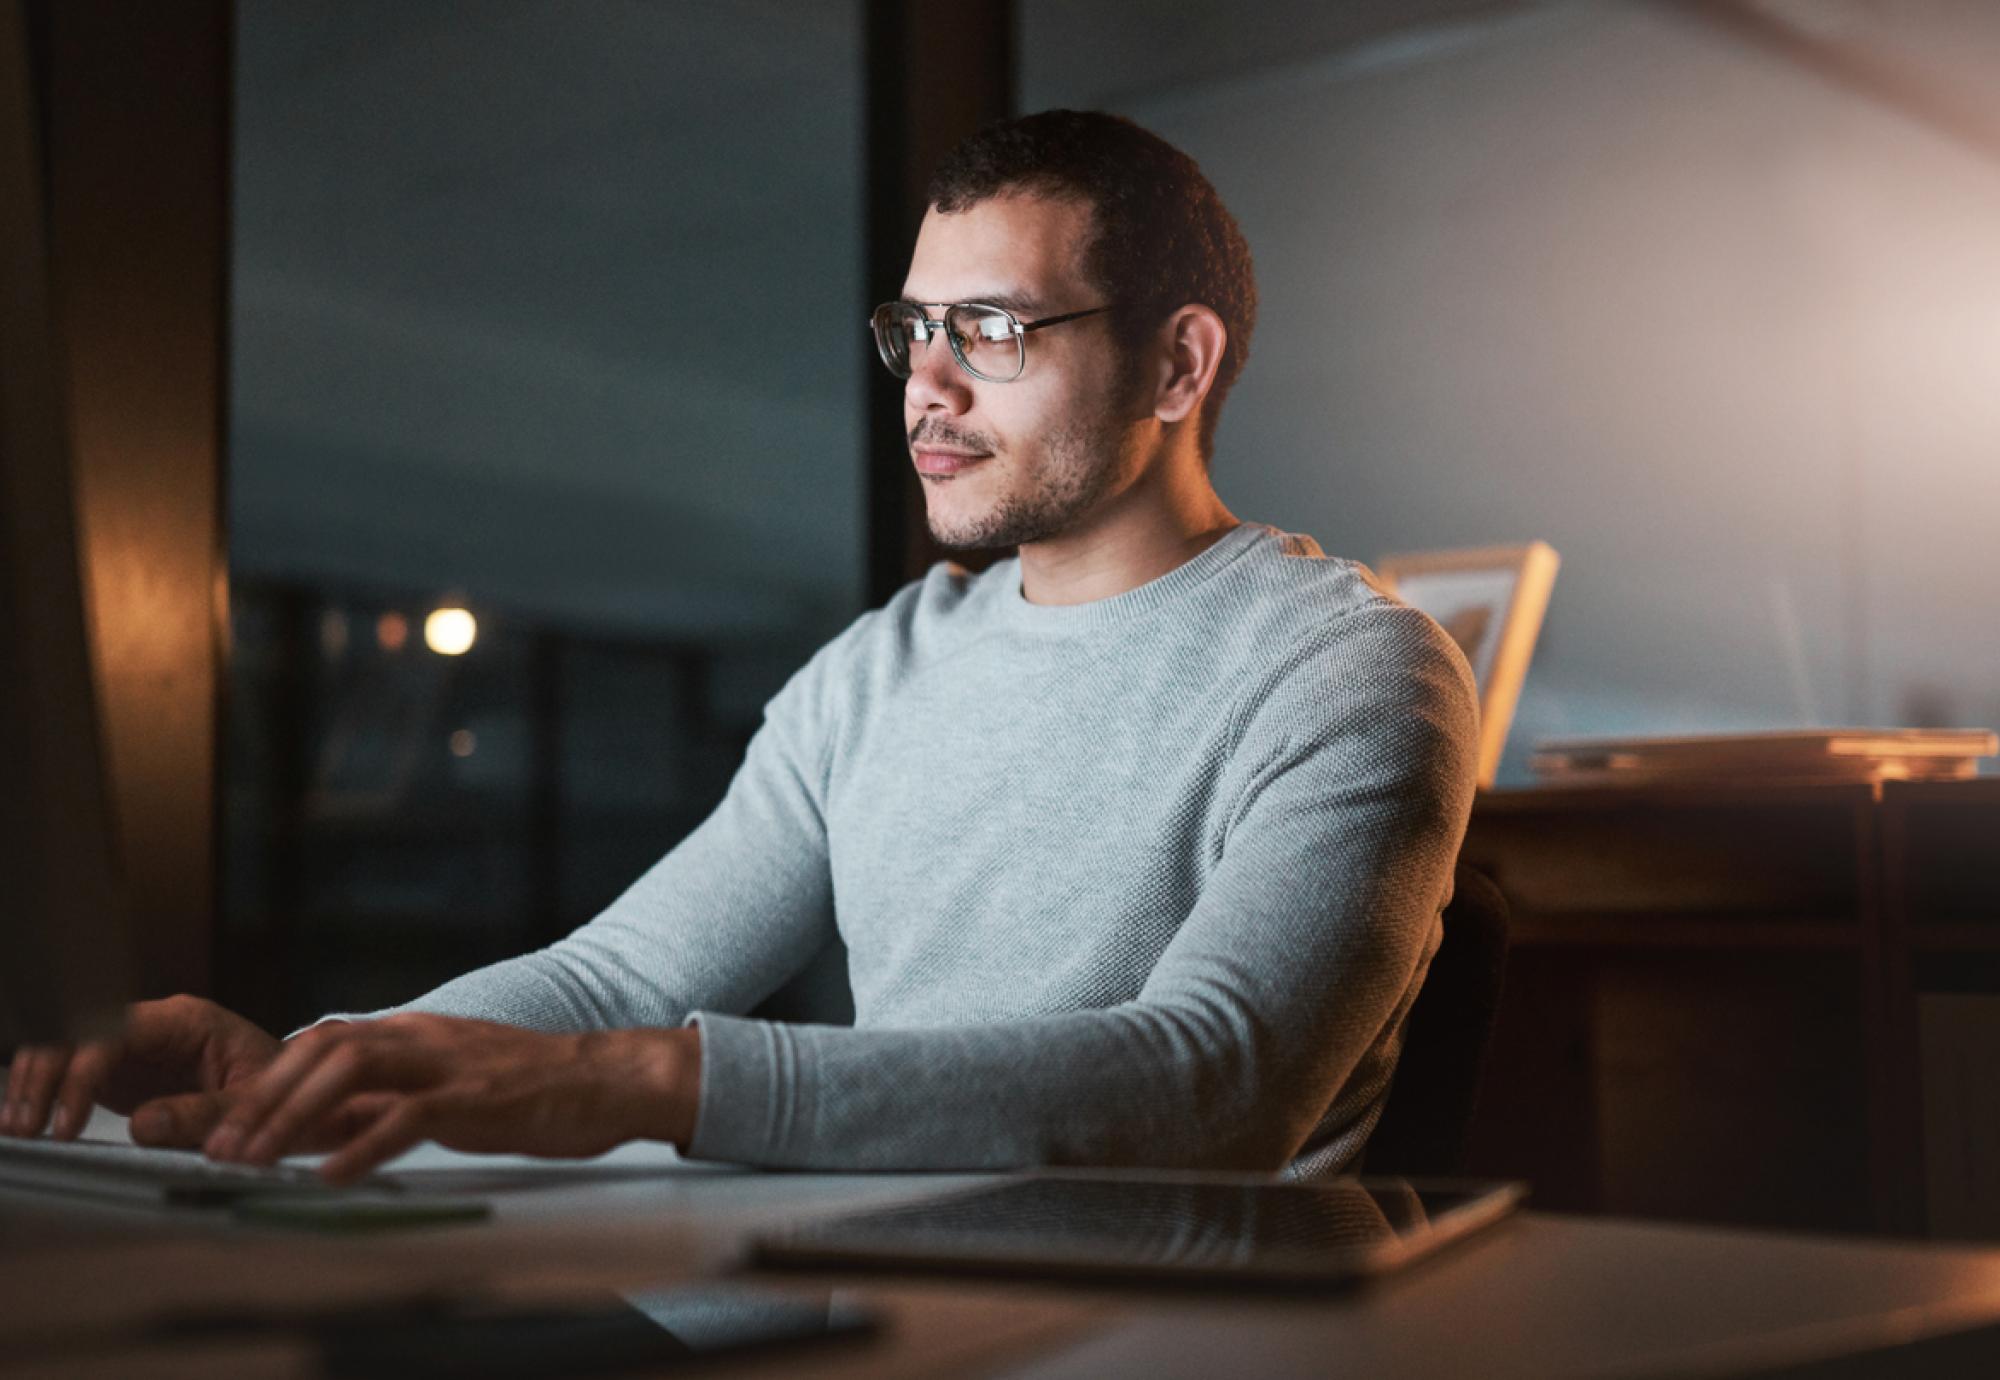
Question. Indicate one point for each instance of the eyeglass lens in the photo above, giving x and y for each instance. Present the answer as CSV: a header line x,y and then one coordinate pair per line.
x,y
981,338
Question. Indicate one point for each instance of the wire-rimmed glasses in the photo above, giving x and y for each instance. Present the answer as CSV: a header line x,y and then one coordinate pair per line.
x,y
989,342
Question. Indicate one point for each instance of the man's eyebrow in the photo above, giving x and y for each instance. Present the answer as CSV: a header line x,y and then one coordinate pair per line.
x,y
1019,303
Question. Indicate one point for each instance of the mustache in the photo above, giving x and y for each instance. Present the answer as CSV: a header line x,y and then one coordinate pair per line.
x,y
944,434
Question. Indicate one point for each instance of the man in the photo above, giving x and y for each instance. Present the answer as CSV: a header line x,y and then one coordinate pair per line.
x,y
1137,841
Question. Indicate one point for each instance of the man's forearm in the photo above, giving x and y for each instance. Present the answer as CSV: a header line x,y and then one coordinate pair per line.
x,y
370,1090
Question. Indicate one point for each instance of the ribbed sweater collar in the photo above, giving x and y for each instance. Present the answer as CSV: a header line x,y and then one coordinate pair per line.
x,y
1016,612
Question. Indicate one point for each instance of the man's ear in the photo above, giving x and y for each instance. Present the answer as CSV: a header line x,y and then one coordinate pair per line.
x,y
1190,343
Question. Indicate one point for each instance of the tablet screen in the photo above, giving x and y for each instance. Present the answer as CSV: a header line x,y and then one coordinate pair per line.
x,y
1200,1225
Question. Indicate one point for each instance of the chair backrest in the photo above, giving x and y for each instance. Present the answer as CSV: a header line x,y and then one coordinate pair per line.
x,y
1427,1123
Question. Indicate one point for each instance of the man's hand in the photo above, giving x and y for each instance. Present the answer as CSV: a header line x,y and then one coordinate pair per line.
x,y
376,1088
177,1058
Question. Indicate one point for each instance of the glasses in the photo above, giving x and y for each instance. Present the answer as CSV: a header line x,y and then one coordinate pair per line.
x,y
989,343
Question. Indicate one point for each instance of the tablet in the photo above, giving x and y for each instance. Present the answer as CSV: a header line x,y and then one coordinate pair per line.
x,y
1158,1226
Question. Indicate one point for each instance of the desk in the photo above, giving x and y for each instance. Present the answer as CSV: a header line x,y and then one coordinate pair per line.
x,y
1541,1295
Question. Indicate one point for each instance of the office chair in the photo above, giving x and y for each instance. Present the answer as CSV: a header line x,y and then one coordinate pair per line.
x,y
1428,1121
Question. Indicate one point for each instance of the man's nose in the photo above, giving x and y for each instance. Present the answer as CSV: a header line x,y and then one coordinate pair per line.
x,y
935,379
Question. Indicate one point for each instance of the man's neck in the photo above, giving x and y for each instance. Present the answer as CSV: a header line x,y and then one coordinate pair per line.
x,y
1151,529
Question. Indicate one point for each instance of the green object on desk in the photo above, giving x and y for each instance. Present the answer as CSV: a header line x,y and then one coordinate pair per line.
x,y
338,1214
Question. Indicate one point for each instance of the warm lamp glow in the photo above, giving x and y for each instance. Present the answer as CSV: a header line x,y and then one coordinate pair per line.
x,y
449,632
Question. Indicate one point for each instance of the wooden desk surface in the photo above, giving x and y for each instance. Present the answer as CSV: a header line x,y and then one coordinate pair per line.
x,y
1540,1295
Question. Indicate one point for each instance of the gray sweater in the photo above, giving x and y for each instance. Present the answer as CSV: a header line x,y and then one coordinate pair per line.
x,y
1146,881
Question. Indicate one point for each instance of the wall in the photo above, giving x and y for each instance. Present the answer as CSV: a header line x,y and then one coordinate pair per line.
x,y
1721,331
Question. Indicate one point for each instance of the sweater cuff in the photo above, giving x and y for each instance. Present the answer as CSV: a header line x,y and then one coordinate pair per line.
x,y
750,1106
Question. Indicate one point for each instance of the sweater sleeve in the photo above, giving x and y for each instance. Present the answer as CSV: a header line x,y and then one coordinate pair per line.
x,y
719,923
1355,772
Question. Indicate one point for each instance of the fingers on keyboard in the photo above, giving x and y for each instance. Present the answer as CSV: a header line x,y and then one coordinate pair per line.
x,y
31,1086
183,1120
79,1089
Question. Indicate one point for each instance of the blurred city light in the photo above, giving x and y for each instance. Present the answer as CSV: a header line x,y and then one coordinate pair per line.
x,y
450,631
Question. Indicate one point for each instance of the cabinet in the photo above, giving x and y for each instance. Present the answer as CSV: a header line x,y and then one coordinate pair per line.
x,y
1715,997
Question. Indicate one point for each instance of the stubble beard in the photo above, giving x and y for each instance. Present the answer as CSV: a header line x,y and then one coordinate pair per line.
x,y
1081,464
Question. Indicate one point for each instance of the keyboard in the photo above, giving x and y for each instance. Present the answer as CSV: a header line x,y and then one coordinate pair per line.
x,y
140,1173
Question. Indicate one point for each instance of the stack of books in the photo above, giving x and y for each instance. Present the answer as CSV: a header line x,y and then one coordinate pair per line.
x,y
1811,755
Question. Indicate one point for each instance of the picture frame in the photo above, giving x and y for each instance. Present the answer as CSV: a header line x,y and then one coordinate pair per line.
x,y
1491,600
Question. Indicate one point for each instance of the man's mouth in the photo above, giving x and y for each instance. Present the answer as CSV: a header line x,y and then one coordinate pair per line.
x,y
945,461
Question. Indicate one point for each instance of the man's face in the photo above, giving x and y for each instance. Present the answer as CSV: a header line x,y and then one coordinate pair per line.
x,y
1004,464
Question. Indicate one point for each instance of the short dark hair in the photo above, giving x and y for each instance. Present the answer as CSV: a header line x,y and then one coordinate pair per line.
x,y
1161,237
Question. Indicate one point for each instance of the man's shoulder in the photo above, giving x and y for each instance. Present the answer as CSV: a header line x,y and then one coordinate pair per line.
x,y
885,641
945,599
1331,625
1296,593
